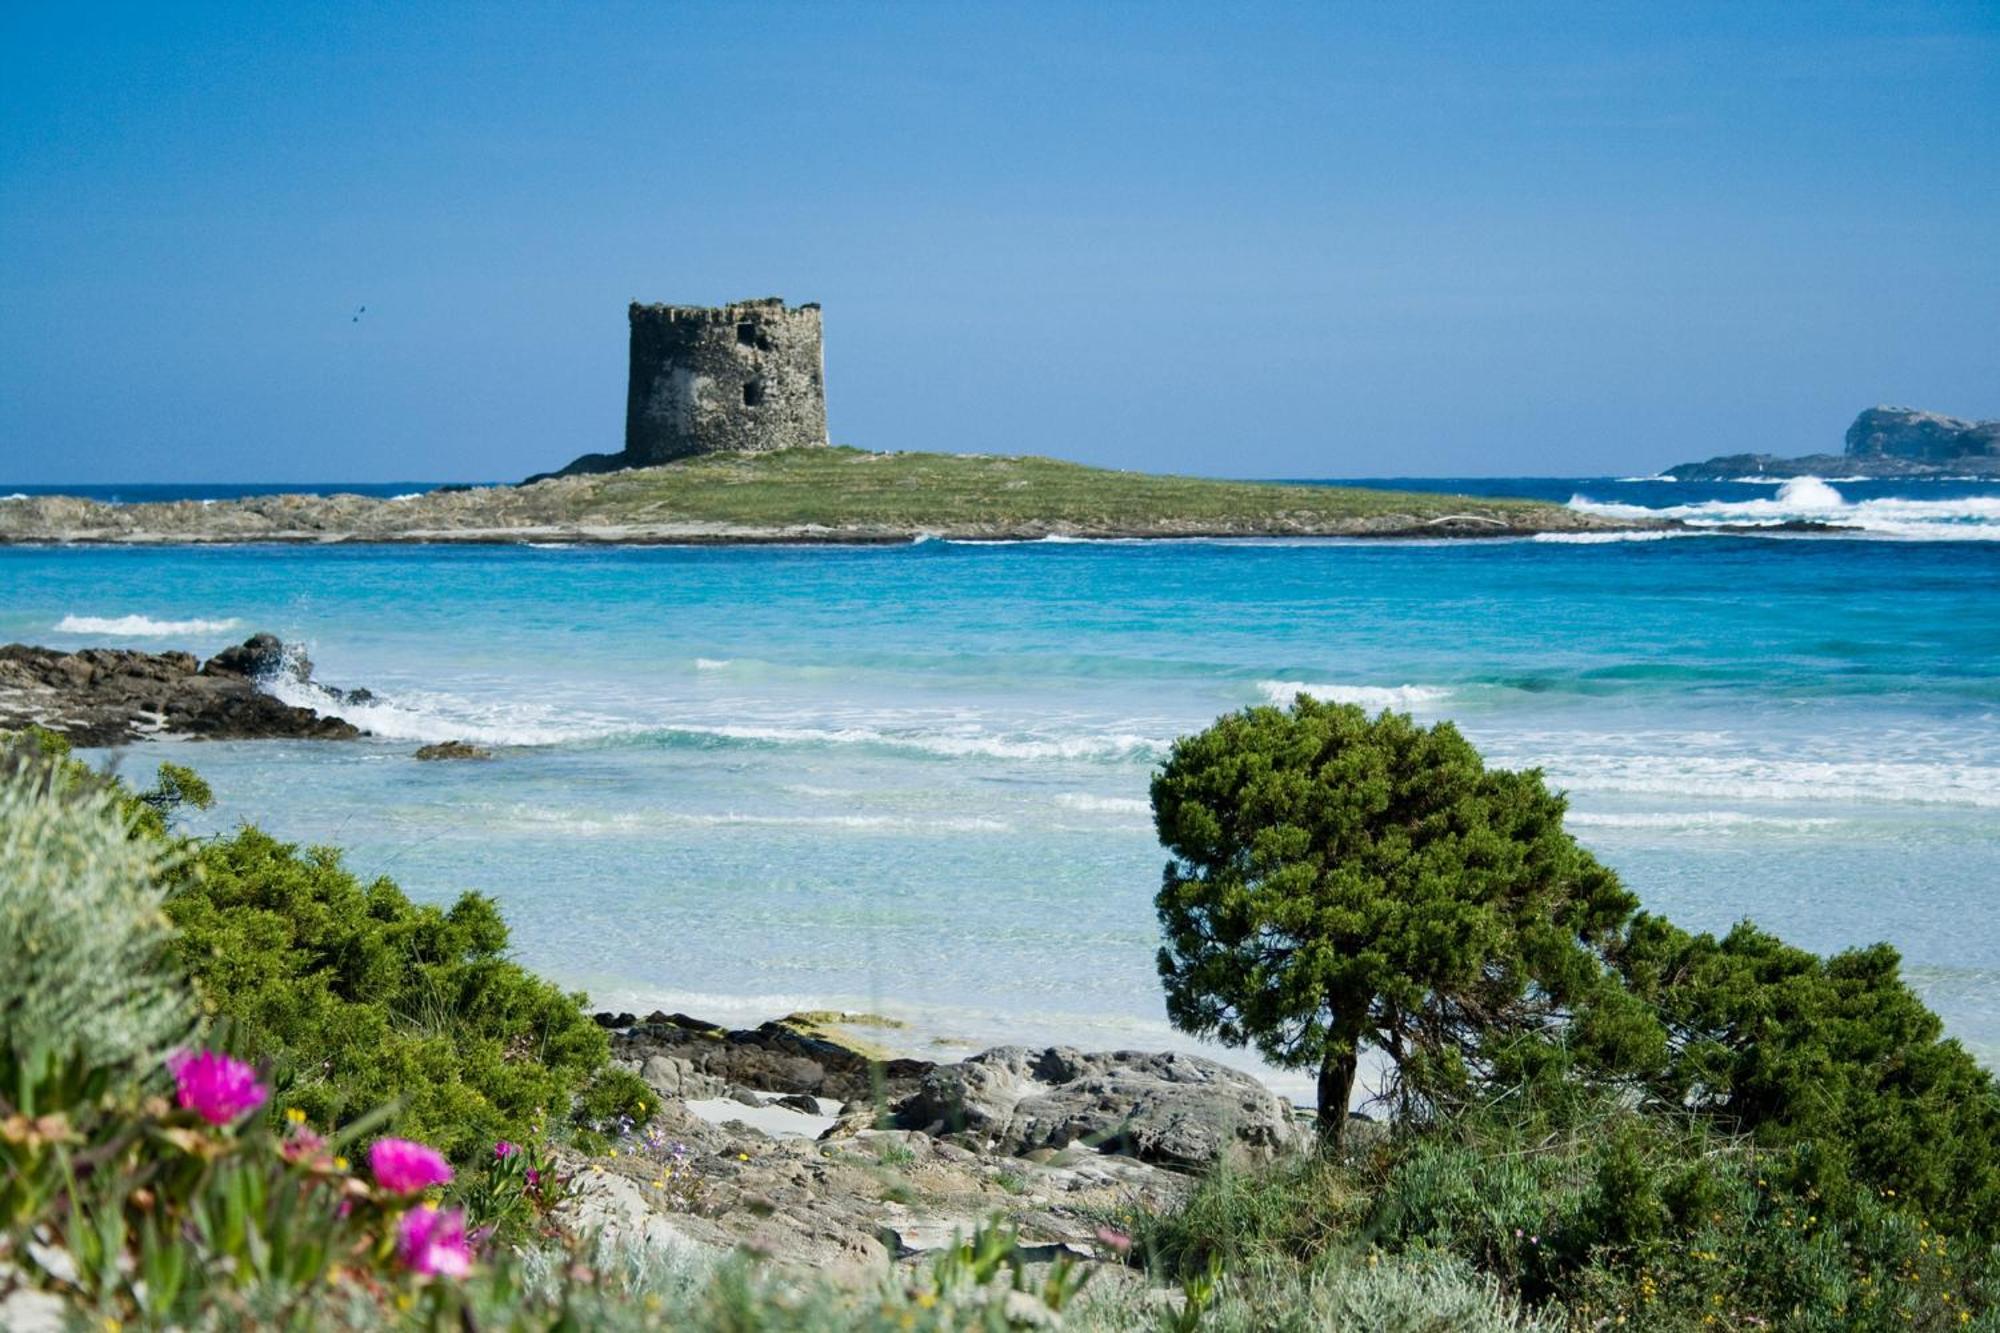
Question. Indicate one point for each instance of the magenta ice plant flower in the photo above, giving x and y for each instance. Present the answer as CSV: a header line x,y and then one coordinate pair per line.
x,y
431,1240
216,1087
504,1149
402,1167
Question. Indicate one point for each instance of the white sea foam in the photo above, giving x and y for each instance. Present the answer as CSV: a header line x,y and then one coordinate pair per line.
x,y
1098,746
1281,692
1812,500
639,822
1605,538
1697,821
711,663
1110,805
424,716
1759,778
142,627
17,495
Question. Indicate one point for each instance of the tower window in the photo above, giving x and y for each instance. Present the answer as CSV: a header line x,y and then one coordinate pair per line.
x,y
746,333
753,393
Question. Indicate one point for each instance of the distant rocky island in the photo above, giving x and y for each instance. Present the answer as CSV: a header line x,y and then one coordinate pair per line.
x,y
1886,442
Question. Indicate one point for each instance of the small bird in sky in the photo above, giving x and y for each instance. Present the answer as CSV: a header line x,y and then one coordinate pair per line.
x,y
359,313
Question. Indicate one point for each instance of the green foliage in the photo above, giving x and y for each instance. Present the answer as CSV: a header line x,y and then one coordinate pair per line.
x,y
1833,1054
84,961
357,998
1621,1213
1339,881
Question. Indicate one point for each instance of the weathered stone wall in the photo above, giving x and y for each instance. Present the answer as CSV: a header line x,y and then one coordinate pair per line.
x,y
741,378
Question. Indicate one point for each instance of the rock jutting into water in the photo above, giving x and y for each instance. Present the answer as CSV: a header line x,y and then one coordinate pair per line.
x,y
1883,442
113,696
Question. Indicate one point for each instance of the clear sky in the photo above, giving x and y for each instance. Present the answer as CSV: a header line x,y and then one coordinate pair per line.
x,y
1251,240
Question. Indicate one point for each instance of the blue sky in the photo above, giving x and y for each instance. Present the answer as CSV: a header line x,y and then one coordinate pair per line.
x,y
1257,240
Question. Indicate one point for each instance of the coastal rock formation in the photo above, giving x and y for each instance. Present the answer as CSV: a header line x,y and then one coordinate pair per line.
x,y
868,1160
452,750
1169,1108
783,1056
1883,442
1924,437
113,696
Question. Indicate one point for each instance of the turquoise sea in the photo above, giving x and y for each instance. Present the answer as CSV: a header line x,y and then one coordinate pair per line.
x,y
741,781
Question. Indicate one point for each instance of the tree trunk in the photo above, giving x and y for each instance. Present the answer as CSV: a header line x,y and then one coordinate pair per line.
x,y
1336,1088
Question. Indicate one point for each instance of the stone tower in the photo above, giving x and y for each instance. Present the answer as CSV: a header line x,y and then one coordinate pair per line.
x,y
741,378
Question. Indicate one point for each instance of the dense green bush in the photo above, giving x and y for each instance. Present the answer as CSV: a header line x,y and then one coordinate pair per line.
x,y
1340,881
356,998
1833,1054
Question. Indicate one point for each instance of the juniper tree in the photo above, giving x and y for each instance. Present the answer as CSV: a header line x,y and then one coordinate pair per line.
x,y
1338,882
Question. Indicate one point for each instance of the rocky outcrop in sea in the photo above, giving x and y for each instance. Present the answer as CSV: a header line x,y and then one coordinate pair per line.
x,y
113,696
1884,442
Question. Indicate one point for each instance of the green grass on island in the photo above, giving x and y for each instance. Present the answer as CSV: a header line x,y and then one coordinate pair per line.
x,y
808,495
979,493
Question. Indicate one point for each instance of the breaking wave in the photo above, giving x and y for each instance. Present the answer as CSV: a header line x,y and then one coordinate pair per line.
x,y
426,717
142,627
1281,692
1811,500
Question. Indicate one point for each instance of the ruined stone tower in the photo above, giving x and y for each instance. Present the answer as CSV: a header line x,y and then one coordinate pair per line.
x,y
741,378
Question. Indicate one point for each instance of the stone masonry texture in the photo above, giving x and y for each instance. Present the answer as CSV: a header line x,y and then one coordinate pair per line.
x,y
741,378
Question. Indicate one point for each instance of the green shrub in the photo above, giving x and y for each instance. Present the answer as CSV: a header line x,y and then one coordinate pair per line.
x,y
1834,1054
1339,881
357,998
85,967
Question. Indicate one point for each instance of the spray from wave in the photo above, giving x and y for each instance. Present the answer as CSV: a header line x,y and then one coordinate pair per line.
x,y
1811,500
1405,697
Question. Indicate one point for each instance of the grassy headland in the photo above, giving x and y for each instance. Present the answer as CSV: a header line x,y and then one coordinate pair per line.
x,y
809,495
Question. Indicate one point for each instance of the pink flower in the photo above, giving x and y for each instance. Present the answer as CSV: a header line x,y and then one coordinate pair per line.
x,y
403,1167
504,1149
302,1145
431,1241
215,1086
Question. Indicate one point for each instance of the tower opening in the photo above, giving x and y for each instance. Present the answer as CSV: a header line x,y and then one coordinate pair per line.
x,y
753,393
746,333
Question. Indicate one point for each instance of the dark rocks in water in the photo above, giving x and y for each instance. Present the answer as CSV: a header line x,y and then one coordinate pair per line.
x,y
113,696
1169,1108
1886,443
259,657
452,750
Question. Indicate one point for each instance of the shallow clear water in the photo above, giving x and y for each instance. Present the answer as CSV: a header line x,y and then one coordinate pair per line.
x,y
744,780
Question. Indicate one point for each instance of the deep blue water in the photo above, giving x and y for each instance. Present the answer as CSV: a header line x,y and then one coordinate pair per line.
x,y
742,780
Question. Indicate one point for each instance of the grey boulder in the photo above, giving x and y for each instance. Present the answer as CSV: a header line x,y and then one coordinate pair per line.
x,y
1168,1108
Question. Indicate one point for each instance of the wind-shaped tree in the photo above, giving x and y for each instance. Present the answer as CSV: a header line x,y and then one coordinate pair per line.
x,y
1339,881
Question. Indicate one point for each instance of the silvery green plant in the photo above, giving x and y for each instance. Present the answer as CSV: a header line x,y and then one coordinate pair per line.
x,y
82,932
